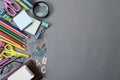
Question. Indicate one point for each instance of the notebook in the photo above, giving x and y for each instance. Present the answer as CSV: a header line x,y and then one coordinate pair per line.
x,y
22,20
24,73
32,66
32,29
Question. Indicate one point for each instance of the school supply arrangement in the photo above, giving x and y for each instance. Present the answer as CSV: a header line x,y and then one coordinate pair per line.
x,y
15,36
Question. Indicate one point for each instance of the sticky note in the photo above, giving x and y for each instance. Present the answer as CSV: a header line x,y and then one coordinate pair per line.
x,y
32,29
22,20
24,73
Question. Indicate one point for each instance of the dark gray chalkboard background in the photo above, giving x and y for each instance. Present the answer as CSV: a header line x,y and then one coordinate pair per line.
x,y
83,40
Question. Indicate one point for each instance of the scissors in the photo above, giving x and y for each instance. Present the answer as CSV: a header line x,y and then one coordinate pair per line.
x,y
11,7
9,52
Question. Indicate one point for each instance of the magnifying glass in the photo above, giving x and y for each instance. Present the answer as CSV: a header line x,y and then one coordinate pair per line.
x,y
41,9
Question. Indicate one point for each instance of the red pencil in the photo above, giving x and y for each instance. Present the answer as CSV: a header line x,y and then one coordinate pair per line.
x,y
10,38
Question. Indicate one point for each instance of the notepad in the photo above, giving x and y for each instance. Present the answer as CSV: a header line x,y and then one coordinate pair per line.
x,y
32,29
22,20
24,73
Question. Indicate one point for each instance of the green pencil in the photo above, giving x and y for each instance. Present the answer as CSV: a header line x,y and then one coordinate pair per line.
x,y
12,34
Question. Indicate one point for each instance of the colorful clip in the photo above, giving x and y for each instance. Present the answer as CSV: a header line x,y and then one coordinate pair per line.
x,y
38,35
45,25
2,12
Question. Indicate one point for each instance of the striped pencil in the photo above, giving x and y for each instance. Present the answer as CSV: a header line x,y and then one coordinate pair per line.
x,y
12,29
2,37
10,38
12,34
27,36
17,46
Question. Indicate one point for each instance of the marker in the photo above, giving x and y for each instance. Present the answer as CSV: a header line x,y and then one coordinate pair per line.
x,y
23,4
3,61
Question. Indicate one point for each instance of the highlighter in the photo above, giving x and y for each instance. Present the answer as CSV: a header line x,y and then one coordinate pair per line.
x,y
28,3
23,4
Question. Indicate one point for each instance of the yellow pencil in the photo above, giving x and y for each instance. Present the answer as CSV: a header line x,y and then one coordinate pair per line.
x,y
6,41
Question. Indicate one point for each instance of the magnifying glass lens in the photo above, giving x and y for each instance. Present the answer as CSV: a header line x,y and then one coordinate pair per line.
x,y
41,9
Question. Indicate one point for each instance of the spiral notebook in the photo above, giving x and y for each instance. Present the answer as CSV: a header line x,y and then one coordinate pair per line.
x,y
28,71
24,73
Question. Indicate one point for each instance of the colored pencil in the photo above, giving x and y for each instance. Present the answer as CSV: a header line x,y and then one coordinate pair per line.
x,y
8,23
10,41
12,29
1,39
10,38
12,34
